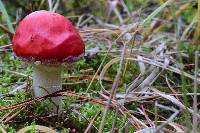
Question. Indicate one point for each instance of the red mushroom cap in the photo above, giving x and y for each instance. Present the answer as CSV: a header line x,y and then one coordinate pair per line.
x,y
47,36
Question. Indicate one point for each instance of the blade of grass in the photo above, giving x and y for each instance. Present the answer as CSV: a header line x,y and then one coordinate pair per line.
x,y
195,122
197,31
198,28
113,91
50,5
159,9
99,68
6,17
184,90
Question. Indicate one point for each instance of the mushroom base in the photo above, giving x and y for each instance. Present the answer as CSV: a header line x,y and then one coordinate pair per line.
x,y
47,80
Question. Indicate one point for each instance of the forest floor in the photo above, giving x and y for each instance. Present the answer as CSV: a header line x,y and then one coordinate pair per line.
x,y
139,72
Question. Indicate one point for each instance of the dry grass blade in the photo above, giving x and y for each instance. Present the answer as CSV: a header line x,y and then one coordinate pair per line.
x,y
17,73
174,101
112,5
158,129
11,117
24,103
197,30
132,119
75,111
188,29
113,90
180,10
155,63
125,7
176,127
50,5
87,77
170,87
18,88
141,65
115,119
88,129
99,68
4,117
146,116
6,17
148,80
153,14
5,46
144,60
146,130
56,6
195,120
39,118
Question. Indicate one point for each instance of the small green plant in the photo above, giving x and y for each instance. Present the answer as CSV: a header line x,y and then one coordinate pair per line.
x,y
8,128
88,111
64,131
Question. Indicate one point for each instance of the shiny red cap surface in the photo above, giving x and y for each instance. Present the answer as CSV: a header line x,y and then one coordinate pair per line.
x,y
47,36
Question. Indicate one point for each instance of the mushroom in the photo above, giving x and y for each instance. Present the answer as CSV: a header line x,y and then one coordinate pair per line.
x,y
47,40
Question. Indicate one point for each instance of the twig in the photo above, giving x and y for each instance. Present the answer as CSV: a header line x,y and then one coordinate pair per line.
x,y
12,116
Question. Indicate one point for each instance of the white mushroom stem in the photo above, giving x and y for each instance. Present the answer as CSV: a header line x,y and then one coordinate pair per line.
x,y
46,80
